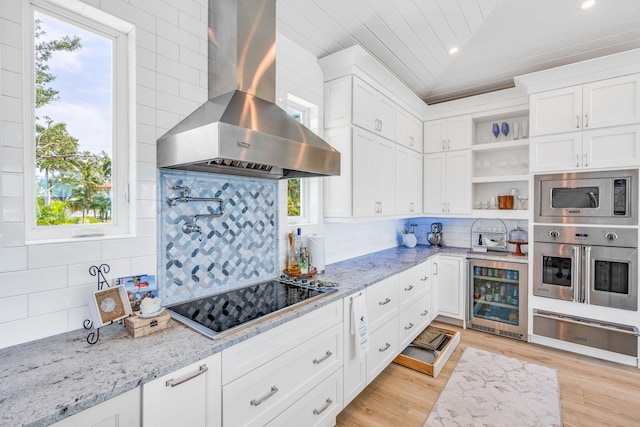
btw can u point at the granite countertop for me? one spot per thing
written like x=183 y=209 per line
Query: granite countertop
x=44 y=381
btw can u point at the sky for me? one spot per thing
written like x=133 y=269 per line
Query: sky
x=84 y=82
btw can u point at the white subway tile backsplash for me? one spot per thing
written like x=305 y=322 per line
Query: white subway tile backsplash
x=168 y=84
x=192 y=24
x=193 y=92
x=146 y=191
x=11 y=83
x=144 y=265
x=146 y=39
x=25 y=281
x=77 y=316
x=12 y=185
x=79 y=274
x=60 y=299
x=12 y=234
x=10 y=33
x=12 y=209
x=145 y=96
x=168 y=49
x=146 y=134
x=11 y=10
x=51 y=255
x=146 y=115
x=33 y=328
x=145 y=77
x=12 y=159
x=176 y=69
x=141 y=18
x=128 y=248
x=180 y=36
x=11 y=108
x=146 y=171
x=146 y=153
x=146 y=226
x=13 y=308
x=11 y=134
x=11 y=58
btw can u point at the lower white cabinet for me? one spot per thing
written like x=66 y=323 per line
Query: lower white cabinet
x=121 y=411
x=317 y=408
x=190 y=396
x=382 y=302
x=267 y=375
x=383 y=348
x=450 y=281
x=413 y=319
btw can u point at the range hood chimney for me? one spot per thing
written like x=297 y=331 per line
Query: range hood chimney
x=240 y=130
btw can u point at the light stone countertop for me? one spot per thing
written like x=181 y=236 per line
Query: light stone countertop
x=44 y=381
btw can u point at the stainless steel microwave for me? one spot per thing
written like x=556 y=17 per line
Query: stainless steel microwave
x=609 y=197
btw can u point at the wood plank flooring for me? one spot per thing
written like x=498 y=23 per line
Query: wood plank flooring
x=592 y=392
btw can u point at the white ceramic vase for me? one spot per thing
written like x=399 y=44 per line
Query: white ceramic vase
x=409 y=240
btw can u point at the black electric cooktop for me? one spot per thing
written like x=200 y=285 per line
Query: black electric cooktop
x=226 y=312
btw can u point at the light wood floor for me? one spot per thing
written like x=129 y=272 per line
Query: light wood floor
x=593 y=392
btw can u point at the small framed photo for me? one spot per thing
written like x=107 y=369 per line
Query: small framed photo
x=138 y=287
x=108 y=305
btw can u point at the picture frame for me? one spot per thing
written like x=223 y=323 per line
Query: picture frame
x=108 y=305
x=138 y=287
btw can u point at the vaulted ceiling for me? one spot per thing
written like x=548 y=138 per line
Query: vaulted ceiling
x=496 y=39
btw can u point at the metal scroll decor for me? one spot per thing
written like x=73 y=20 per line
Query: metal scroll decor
x=98 y=271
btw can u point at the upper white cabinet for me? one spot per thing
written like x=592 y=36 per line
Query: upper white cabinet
x=189 y=396
x=447 y=183
x=594 y=149
x=408 y=190
x=408 y=130
x=372 y=110
x=453 y=133
x=373 y=174
x=605 y=103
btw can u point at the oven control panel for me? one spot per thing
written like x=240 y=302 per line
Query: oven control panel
x=601 y=236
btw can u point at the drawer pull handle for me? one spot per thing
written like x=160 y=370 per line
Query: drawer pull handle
x=425 y=278
x=409 y=326
x=424 y=313
x=327 y=403
x=385 y=348
x=174 y=382
x=327 y=355
x=409 y=288
x=386 y=301
x=273 y=391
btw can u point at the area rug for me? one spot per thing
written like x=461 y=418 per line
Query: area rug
x=487 y=389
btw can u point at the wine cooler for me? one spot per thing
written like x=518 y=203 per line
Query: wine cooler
x=498 y=298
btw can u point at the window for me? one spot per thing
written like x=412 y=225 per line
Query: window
x=77 y=158
x=299 y=205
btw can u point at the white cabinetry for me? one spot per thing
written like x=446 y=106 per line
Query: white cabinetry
x=604 y=103
x=447 y=182
x=447 y=134
x=408 y=191
x=382 y=302
x=450 y=280
x=594 y=149
x=408 y=130
x=265 y=376
x=354 y=366
x=188 y=396
x=383 y=348
x=372 y=110
x=414 y=287
x=373 y=174
x=121 y=411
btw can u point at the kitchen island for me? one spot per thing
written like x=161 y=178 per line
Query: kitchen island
x=47 y=380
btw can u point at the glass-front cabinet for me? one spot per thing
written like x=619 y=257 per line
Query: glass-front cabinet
x=498 y=298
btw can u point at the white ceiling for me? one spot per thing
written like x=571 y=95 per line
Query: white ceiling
x=498 y=39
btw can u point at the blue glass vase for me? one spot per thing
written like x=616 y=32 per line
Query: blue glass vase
x=495 y=130
x=505 y=128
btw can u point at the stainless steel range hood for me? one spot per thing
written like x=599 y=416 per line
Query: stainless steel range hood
x=241 y=130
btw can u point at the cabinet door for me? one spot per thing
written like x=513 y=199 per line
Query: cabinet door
x=413 y=320
x=556 y=152
x=459 y=133
x=337 y=189
x=408 y=130
x=383 y=348
x=415 y=134
x=434 y=136
x=355 y=369
x=121 y=411
x=382 y=302
x=385 y=111
x=555 y=111
x=384 y=173
x=611 y=102
x=189 y=396
x=337 y=102
x=408 y=180
x=364 y=105
x=450 y=281
x=611 y=147
x=364 y=159
x=458 y=182
x=434 y=183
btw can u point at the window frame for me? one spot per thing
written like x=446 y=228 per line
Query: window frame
x=122 y=35
x=304 y=108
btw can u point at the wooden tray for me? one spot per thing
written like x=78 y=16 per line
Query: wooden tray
x=434 y=368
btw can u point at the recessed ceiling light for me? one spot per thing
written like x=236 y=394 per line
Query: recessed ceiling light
x=453 y=50
x=587 y=4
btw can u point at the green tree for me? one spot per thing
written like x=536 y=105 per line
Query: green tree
x=293 y=197
x=89 y=179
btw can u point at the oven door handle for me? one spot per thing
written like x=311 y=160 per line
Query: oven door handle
x=586 y=282
x=576 y=277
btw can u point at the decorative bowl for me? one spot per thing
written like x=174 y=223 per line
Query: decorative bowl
x=491 y=242
x=150 y=305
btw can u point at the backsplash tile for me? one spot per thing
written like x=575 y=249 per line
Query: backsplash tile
x=237 y=249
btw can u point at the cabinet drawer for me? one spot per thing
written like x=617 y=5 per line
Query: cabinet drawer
x=248 y=355
x=411 y=284
x=433 y=367
x=263 y=393
x=414 y=319
x=319 y=407
x=382 y=302
x=383 y=347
